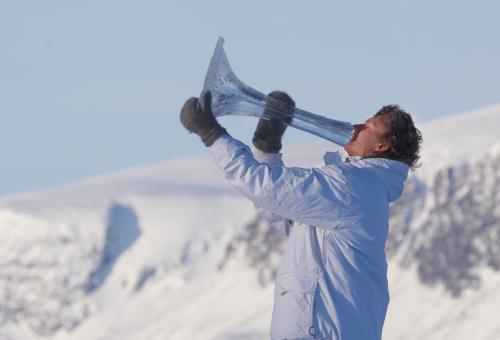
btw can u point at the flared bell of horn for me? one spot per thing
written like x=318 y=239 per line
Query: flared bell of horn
x=230 y=96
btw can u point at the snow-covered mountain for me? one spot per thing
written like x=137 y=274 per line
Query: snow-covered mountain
x=171 y=251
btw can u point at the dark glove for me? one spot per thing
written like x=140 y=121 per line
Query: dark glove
x=200 y=120
x=277 y=115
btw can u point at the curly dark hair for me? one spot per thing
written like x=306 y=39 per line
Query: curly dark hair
x=404 y=138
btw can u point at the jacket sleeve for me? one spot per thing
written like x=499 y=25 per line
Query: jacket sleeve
x=273 y=159
x=309 y=196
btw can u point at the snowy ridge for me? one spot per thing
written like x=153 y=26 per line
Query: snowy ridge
x=170 y=251
x=464 y=137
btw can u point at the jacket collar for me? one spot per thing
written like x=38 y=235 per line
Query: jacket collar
x=391 y=173
x=339 y=157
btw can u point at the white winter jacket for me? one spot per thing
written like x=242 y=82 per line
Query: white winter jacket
x=332 y=281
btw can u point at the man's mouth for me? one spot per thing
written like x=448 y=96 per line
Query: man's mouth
x=353 y=137
x=355 y=132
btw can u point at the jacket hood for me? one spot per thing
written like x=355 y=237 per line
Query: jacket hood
x=391 y=173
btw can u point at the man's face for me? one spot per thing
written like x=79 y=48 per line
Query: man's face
x=367 y=139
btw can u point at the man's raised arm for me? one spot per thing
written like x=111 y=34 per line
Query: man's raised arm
x=298 y=194
x=267 y=145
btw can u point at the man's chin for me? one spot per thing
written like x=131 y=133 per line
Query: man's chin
x=351 y=150
x=348 y=149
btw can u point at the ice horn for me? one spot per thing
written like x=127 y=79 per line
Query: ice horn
x=231 y=96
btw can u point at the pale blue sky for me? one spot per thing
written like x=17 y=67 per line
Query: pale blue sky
x=88 y=87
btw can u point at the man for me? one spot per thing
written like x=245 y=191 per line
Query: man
x=332 y=281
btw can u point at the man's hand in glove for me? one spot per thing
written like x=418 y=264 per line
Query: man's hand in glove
x=270 y=129
x=200 y=120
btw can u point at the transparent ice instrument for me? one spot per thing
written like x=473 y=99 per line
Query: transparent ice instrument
x=230 y=96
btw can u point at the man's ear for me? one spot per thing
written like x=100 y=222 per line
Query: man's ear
x=382 y=147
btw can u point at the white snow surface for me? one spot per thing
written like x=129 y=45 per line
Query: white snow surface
x=153 y=238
